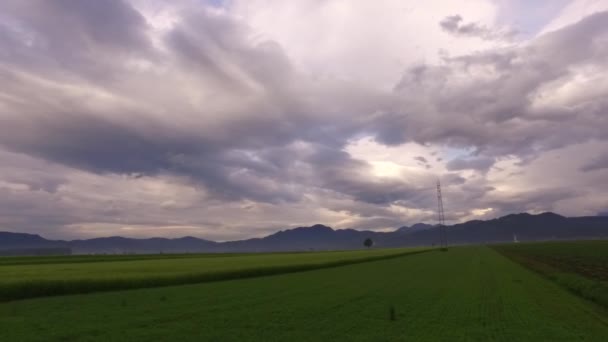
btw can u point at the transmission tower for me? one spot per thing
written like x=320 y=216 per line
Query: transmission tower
x=443 y=240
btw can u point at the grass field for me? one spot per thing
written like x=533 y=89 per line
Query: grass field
x=579 y=266
x=44 y=276
x=465 y=294
x=73 y=259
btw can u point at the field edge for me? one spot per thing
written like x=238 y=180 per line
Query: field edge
x=591 y=290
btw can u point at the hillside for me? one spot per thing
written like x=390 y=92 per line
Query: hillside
x=527 y=227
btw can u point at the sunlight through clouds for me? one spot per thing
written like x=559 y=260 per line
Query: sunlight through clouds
x=232 y=119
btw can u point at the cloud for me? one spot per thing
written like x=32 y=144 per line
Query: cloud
x=537 y=200
x=167 y=117
x=574 y=11
x=498 y=100
x=83 y=39
x=366 y=42
x=480 y=164
x=454 y=25
x=598 y=163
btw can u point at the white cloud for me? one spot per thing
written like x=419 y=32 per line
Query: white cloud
x=371 y=42
x=573 y=12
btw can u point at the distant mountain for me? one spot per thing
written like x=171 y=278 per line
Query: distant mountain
x=415 y=228
x=317 y=237
x=118 y=244
x=25 y=241
x=109 y=245
x=527 y=227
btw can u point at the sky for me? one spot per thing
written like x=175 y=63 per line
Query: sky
x=233 y=119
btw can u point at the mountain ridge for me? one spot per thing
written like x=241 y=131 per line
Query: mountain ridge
x=527 y=227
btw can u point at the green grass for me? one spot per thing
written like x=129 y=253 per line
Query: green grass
x=465 y=294
x=26 y=278
x=73 y=259
x=579 y=266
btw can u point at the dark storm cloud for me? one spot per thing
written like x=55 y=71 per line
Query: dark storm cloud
x=125 y=140
x=93 y=143
x=454 y=25
x=238 y=158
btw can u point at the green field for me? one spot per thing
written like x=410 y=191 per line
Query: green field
x=43 y=276
x=579 y=266
x=465 y=294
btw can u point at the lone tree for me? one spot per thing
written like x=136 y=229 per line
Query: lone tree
x=368 y=243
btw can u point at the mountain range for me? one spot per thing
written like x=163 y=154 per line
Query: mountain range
x=527 y=227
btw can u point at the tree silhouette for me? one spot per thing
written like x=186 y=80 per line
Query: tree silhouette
x=368 y=243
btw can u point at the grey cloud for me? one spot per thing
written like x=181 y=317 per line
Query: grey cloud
x=231 y=152
x=598 y=163
x=376 y=223
x=90 y=142
x=84 y=39
x=359 y=209
x=461 y=195
x=423 y=161
x=480 y=164
x=336 y=170
x=216 y=46
x=234 y=119
x=453 y=179
x=18 y=169
x=126 y=139
x=32 y=211
x=496 y=114
x=537 y=200
x=98 y=145
x=38 y=182
x=454 y=25
x=28 y=194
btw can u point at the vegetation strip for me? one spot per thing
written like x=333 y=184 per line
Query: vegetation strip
x=76 y=259
x=43 y=288
x=567 y=266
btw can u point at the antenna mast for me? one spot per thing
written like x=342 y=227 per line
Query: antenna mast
x=443 y=241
